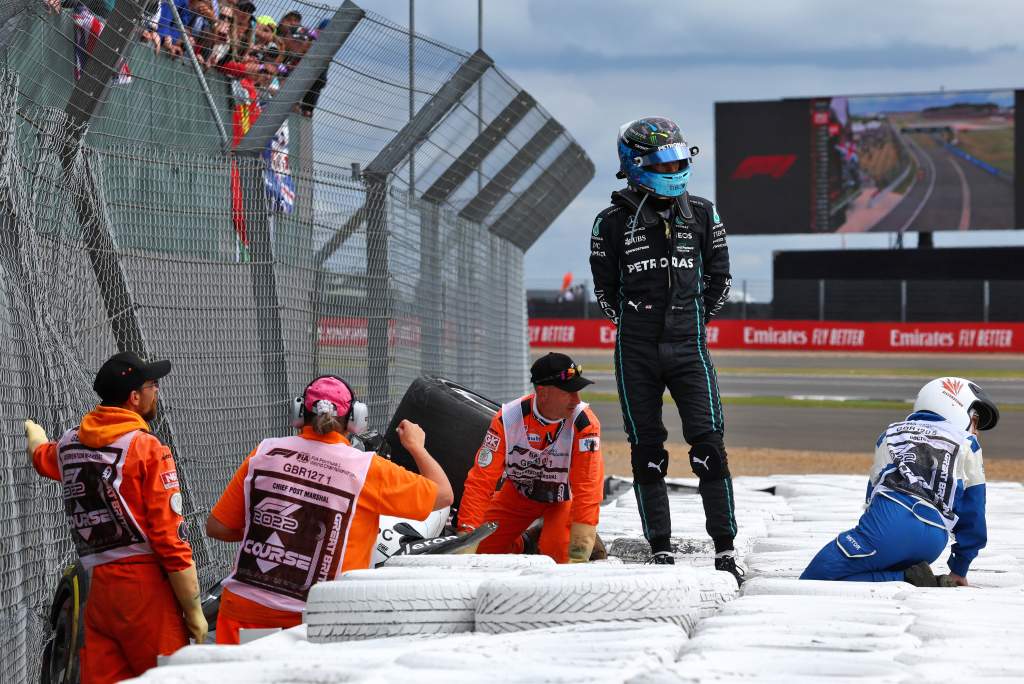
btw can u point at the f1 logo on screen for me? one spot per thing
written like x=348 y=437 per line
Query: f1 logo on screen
x=774 y=165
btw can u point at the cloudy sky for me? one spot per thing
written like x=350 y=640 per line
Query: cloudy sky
x=595 y=64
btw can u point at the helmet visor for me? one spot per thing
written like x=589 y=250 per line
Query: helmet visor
x=668 y=153
x=988 y=412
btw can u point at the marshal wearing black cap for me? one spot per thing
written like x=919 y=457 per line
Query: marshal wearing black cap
x=558 y=370
x=125 y=512
x=546 y=448
x=125 y=373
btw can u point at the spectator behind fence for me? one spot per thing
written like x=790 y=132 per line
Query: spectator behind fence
x=124 y=507
x=291 y=20
x=225 y=34
x=253 y=510
x=266 y=28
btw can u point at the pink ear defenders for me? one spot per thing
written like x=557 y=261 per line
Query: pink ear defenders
x=331 y=393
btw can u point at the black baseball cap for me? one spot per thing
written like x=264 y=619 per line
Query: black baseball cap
x=558 y=370
x=125 y=372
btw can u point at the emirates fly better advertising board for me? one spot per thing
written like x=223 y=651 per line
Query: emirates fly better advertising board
x=918 y=161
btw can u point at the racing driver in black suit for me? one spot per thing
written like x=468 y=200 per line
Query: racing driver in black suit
x=661 y=270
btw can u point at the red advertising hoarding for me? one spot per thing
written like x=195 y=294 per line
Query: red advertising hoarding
x=353 y=332
x=807 y=336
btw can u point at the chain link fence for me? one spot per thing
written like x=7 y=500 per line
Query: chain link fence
x=147 y=233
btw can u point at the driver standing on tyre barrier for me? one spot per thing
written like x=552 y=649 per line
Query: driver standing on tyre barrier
x=123 y=502
x=306 y=508
x=540 y=458
x=661 y=271
x=927 y=481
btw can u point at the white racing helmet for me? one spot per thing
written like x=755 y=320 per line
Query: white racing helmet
x=955 y=399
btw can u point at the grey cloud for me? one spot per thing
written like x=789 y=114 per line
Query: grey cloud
x=901 y=56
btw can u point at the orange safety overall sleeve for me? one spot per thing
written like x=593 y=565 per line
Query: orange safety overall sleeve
x=483 y=477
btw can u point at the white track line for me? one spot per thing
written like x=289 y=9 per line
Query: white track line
x=931 y=185
x=965 y=193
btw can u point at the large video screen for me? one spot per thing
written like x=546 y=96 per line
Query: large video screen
x=922 y=162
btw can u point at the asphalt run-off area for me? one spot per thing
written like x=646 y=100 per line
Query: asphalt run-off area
x=822 y=401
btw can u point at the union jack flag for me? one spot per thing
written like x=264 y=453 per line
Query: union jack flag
x=278 y=177
x=88 y=28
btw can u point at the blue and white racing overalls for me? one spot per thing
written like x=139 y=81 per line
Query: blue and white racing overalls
x=927 y=481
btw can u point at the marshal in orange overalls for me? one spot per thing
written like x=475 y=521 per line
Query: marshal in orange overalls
x=515 y=492
x=125 y=514
x=388 y=489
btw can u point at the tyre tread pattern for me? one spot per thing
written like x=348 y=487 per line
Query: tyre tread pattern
x=539 y=601
x=348 y=610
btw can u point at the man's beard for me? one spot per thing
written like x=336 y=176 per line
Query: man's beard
x=150 y=414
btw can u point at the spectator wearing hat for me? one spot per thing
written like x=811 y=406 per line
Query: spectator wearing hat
x=124 y=507
x=540 y=458
x=266 y=28
x=306 y=508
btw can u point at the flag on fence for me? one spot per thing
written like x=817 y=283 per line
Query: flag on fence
x=247 y=109
x=278 y=177
x=88 y=28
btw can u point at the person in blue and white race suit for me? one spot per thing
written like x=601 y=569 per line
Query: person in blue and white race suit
x=927 y=481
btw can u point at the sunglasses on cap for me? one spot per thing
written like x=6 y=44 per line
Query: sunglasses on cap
x=568 y=374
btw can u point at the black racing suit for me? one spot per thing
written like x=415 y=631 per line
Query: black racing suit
x=661 y=270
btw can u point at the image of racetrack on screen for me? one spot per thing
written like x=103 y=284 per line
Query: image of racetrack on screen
x=936 y=161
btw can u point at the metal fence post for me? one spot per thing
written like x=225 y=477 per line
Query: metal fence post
x=430 y=294
x=821 y=299
x=743 y=308
x=378 y=281
x=903 y=301
x=258 y=220
x=986 y=299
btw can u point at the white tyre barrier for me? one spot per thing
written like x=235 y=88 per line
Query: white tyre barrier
x=362 y=609
x=714 y=588
x=789 y=666
x=472 y=561
x=798 y=608
x=799 y=587
x=547 y=600
x=766 y=639
x=823 y=627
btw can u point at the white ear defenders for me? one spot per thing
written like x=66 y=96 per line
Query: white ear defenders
x=358 y=415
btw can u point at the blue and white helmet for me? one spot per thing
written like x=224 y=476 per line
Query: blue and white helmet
x=654 y=140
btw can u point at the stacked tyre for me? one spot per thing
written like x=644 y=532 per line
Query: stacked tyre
x=496 y=594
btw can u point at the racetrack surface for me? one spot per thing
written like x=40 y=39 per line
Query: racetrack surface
x=950 y=193
x=827 y=429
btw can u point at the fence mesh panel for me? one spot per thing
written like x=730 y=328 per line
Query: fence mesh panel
x=147 y=234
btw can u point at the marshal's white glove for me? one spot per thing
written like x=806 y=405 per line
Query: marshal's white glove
x=35 y=436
